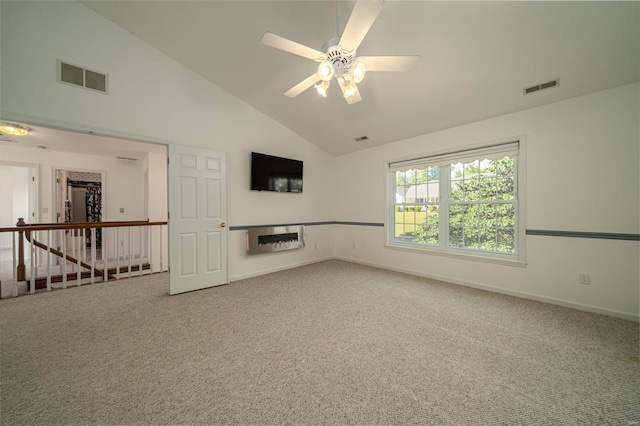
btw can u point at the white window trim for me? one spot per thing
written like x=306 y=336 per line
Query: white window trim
x=519 y=259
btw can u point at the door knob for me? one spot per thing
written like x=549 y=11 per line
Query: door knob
x=222 y=225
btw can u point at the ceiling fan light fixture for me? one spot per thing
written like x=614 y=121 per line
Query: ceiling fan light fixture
x=325 y=70
x=358 y=71
x=350 y=89
x=13 y=129
x=322 y=88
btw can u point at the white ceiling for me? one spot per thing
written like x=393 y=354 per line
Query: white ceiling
x=49 y=139
x=476 y=58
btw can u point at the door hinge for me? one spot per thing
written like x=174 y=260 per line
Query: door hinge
x=167 y=160
x=168 y=215
x=58 y=180
x=33 y=178
x=33 y=214
x=57 y=214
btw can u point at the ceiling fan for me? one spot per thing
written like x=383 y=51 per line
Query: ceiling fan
x=338 y=56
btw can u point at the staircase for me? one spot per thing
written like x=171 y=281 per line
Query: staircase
x=57 y=259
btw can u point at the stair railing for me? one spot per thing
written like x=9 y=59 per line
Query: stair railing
x=57 y=253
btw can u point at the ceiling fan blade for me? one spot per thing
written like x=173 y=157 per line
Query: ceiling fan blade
x=353 y=99
x=291 y=46
x=302 y=86
x=361 y=19
x=389 y=63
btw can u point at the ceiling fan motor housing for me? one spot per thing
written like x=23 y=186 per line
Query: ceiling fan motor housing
x=342 y=60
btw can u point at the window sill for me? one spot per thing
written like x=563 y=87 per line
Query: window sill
x=463 y=256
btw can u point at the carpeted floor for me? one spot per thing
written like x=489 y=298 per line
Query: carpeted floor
x=330 y=343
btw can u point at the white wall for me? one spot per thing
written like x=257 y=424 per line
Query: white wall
x=154 y=98
x=582 y=174
x=20 y=186
x=156 y=167
x=574 y=149
x=122 y=188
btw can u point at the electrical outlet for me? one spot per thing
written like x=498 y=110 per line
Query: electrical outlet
x=353 y=246
x=315 y=246
x=584 y=279
x=121 y=243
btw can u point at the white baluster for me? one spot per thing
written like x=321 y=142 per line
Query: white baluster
x=117 y=253
x=140 y=248
x=92 y=239
x=150 y=250
x=15 y=265
x=80 y=251
x=161 y=242
x=48 y=260
x=129 y=248
x=105 y=255
x=32 y=252
x=64 y=259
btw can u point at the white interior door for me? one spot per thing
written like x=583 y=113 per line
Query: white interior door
x=198 y=233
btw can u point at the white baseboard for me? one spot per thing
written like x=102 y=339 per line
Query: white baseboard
x=279 y=268
x=521 y=294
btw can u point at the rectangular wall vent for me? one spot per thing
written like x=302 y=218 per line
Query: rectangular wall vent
x=541 y=86
x=74 y=75
x=361 y=138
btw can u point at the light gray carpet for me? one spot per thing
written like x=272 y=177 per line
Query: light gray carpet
x=330 y=343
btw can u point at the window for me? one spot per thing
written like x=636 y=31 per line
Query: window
x=464 y=202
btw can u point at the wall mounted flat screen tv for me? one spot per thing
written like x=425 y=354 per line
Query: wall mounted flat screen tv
x=270 y=173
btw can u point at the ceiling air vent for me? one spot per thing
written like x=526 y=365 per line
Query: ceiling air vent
x=82 y=77
x=541 y=86
x=126 y=158
x=361 y=138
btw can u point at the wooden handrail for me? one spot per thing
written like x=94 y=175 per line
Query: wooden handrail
x=24 y=228
x=80 y=225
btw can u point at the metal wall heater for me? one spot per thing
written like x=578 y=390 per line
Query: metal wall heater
x=274 y=238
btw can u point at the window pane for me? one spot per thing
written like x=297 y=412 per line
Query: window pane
x=481 y=205
x=505 y=178
x=489 y=188
x=456 y=214
x=506 y=240
x=505 y=215
x=470 y=231
x=457 y=182
x=455 y=236
x=487 y=238
x=505 y=186
x=427 y=230
x=410 y=194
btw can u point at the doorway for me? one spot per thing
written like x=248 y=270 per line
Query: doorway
x=18 y=195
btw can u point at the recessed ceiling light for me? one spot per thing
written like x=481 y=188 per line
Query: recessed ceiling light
x=14 y=129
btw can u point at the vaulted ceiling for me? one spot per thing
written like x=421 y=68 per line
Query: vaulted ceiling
x=476 y=58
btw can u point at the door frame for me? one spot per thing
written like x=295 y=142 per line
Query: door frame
x=54 y=182
x=111 y=134
x=33 y=198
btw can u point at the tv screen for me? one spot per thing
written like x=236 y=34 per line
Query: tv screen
x=270 y=173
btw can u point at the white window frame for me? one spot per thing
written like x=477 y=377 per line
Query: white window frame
x=518 y=258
